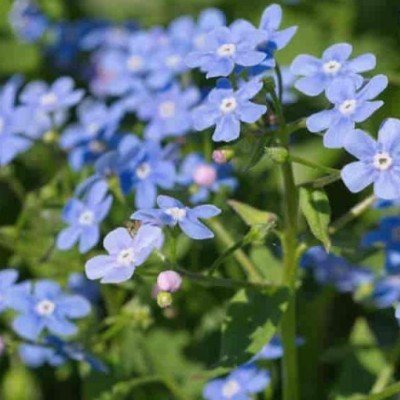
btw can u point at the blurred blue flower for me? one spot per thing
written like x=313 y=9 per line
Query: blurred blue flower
x=47 y=307
x=84 y=217
x=329 y=269
x=226 y=108
x=172 y=212
x=204 y=177
x=8 y=285
x=387 y=291
x=94 y=134
x=13 y=123
x=79 y=284
x=226 y=47
x=125 y=254
x=378 y=161
x=241 y=384
x=273 y=350
x=387 y=235
x=351 y=106
x=35 y=356
x=27 y=20
x=318 y=74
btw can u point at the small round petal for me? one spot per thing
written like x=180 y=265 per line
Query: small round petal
x=89 y=238
x=28 y=326
x=335 y=137
x=387 y=186
x=338 y=52
x=117 y=240
x=227 y=129
x=168 y=202
x=365 y=110
x=99 y=266
x=362 y=63
x=68 y=237
x=320 y=121
x=249 y=58
x=145 y=195
x=360 y=145
x=61 y=326
x=357 y=176
x=118 y=275
x=311 y=85
x=47 y=289
x=281 y=39
x=205 y=211
x=389 y=134
x=74 y=306
x=306 y=65
x=250 y=112
x=195 y=229
x=340 y=90
x=204 y=117
x=373 y=88
x=8 y=277
x=271 y=18
x=222 y=67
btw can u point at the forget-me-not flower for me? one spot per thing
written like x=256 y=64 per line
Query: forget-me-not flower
x=47 y=307
x=8 y=285
x=35 y=356
x=172 y=212
x=241 y=384
x=126 y=253
x=318 y=74
x=84 y=217
x=351 y=106
x=379 y=161
x=226 y=108
x=226 y=47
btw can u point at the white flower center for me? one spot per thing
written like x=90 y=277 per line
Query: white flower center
x=173 y=61
x=167 y=109
x=86 y=218
x=45 y=307
x=48 y=99
x=382 y=161
x=143 y=170
x=348 y=107
x=93 y=128
x=126 y=258
x=226 y=50
x=134 y=63
x=230 y=389
x=228 y=105
x=2 y=124
x=96 y=146
x=178 y=214
x=331 y=67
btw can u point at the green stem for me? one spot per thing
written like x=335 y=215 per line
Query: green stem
x=307 y=163
x=354 y=212
x=224 y=236
x=290 y=264
x=384 y=394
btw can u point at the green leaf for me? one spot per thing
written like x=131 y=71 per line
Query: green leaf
x=250 y=215
x=21 y=57
x=315 y=206
x=251 y=321
x=362 y=366
x=257 y=152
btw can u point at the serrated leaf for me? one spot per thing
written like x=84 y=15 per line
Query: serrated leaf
x=251 y=321
x=315 y=206
x=250 y=215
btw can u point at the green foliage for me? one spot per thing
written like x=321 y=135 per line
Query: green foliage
x=251 y=321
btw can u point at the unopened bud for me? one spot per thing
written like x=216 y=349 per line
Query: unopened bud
x=205 y=175
x=278 y=155
x=169 y=281
x=164 y=299
x=50 y=137
x=222 y=156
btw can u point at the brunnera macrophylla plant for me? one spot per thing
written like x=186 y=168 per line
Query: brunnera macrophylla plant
x=155 y=161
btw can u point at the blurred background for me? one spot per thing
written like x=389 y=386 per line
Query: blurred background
x=326 y=319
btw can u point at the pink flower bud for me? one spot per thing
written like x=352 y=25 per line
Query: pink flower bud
x=205 y=175
x=219 y=156
x=169 y=281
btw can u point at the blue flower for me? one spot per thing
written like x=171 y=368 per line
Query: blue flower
x=8 y=285
x=387 y=292
x=270 y=21
x=388 y=235
x=241 y=384
x=204 y=177
x=79 y=284
x=47 y=307
x=35 y=356
x=142 y=167
x=87 y=140
x=169 y=112
x=84 y=217
x=13 y=123
x=273 y=350
x=172 y=212
x=318 y=75
x=226 y=47
x=59 y=96
x=329 y=269
x=27 y=20
x=125 y=254
x=379 y=161
x=226 y=108
x=351 y=106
